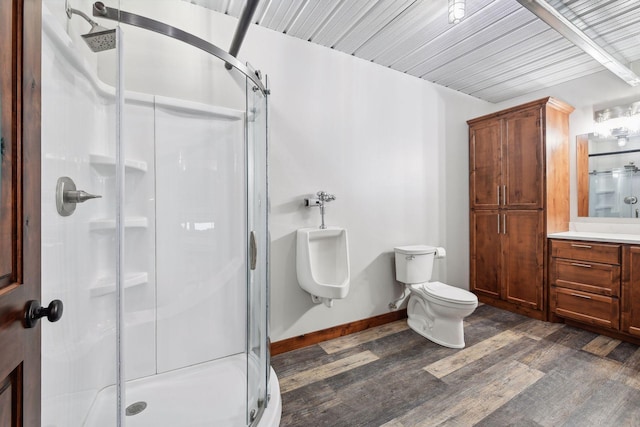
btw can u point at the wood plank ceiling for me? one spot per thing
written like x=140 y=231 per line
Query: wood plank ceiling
x=499 y=51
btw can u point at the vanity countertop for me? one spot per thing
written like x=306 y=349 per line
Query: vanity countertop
x=597 y=237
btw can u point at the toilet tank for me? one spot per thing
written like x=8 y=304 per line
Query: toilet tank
x=414 y=264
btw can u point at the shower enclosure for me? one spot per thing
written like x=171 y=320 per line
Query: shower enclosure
x=164 y=277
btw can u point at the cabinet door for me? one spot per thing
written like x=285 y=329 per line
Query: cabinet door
x=631 y=290
x=523 y=257
x=485 y=252
x=522 y=160
x=484 y=164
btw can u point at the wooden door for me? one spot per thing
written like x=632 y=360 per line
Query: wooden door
x=484 y=164
x=522 y=160
x=485 y=229
x=631 y=290
x=20 y=29
x=523 y=257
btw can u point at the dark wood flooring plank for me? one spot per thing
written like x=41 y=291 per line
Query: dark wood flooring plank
x=622 y=352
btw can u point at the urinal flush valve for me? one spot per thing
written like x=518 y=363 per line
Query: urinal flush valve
x=323 y=197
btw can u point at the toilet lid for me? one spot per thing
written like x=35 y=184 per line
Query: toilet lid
x=415 y=250
x=449 y=293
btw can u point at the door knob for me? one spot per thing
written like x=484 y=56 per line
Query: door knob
x=34 y=311
x=67 y=196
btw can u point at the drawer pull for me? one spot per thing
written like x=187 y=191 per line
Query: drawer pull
x=580 y=246
x=577 y=264
x=581 y=296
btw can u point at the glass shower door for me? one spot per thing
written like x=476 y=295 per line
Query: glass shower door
x=80 y=233
x=258 y=273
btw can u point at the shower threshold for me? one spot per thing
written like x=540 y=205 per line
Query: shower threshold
x=209 y=394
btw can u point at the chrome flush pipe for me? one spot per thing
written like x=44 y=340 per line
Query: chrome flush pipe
x=323 y=197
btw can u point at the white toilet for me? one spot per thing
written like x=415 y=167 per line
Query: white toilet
x=435 y=310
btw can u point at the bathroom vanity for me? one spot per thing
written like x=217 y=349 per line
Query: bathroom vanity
x=594 y=282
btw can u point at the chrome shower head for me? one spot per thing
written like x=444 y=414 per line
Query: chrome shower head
x=98 y=38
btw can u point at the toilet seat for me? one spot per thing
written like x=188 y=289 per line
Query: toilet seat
x=445 y=293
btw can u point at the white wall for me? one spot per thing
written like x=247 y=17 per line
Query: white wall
x=392 y=148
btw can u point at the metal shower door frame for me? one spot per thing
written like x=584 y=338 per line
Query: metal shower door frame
x=178 y=34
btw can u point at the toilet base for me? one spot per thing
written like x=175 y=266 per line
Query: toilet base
x=445 y=331
x=421 y=326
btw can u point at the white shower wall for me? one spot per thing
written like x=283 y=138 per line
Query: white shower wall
x=185 y=292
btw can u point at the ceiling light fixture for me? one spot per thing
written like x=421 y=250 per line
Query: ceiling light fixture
x=456 y=11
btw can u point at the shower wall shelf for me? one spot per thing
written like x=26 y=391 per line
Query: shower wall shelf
x=107 y=285
x=110 y=224
x=105 y=165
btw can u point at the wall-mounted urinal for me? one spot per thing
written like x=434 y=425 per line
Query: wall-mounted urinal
x=322 y=263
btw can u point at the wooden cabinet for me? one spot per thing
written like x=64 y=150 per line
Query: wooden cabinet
x=519 y=192
x=585 y=282
x=631 y=290
x=508 y=248
x=596 y=286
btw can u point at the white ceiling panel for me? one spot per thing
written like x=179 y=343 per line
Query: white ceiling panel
x=375 y=20
x=342 y=20
x=311 y=18
x=419 y=13
x=452 y=64
x=489 y=34
x=498 y=51
x=492 y=15
x=280 y=14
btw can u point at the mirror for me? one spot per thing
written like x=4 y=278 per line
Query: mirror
x=608 y=175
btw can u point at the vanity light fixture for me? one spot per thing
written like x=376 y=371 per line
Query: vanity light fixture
x=456 y=11
x=619 y=121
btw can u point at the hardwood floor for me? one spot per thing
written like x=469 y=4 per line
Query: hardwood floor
x=514 y=371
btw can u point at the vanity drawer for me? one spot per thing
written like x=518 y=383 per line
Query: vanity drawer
x=586 y=251
x=585 y=276
x=586 y=307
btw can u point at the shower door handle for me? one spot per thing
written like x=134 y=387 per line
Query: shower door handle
x=253 y=251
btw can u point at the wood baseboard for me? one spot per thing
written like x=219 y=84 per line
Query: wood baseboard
x=312 y=338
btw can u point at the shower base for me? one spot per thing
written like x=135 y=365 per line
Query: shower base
x=208 y=394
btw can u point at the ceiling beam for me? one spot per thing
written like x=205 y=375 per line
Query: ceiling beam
x=568 y=30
